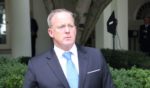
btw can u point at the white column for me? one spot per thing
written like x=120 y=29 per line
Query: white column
x=20 y=28
x=103 y=38
x=122 y=28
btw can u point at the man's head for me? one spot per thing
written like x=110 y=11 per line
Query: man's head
x=62 y=28
x=146 y=20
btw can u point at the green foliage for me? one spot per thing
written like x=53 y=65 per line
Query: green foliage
x=126 y=59
x=131 y=78
x=24 y=59
x=11 y=73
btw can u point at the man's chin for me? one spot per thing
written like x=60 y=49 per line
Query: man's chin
x=68 y=44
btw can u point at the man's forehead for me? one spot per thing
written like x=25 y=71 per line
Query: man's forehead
x=61 y=15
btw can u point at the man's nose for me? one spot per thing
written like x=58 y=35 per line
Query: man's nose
x=67 y=29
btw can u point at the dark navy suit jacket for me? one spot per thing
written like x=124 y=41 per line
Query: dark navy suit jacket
x=144 y=38
x=44 y=71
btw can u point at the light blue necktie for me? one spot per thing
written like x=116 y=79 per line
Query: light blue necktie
x=72 y=75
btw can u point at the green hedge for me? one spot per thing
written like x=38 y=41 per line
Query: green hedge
x=131 y=78
x=11 y=73
x=126 y=59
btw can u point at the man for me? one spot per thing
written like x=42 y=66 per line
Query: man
x=144 y=36
x=50 y=70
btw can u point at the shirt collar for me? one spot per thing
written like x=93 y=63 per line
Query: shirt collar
x=59 y=51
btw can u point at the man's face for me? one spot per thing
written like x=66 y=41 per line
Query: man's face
x=63 y=30
x=146 y=20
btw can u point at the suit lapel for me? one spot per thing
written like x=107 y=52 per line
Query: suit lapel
x=83 y=63
x=56 y=68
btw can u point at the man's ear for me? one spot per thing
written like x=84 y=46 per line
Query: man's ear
x=50 y=32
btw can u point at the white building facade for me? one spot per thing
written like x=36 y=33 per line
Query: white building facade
x=18 y=26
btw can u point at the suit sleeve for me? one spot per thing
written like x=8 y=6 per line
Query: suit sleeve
x=107 y=79
x=29 y=81
x=140 y=35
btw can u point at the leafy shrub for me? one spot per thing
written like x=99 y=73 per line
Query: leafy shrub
x=126 y=59
x=24 y=59
x=11 y=73
x=131 y=78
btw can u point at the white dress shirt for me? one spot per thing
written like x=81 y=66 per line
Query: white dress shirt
x=74 y=56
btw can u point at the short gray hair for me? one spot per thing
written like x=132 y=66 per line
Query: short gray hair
x=53 y=12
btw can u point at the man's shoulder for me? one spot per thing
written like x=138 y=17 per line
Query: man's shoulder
x=87 y=48
x=41 y=56
x=90 y=48
x=142 y=26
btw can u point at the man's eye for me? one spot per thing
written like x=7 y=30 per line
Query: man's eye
x=71 y=26
x=61 y=26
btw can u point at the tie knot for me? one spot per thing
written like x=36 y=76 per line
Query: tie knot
x=67 y=55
